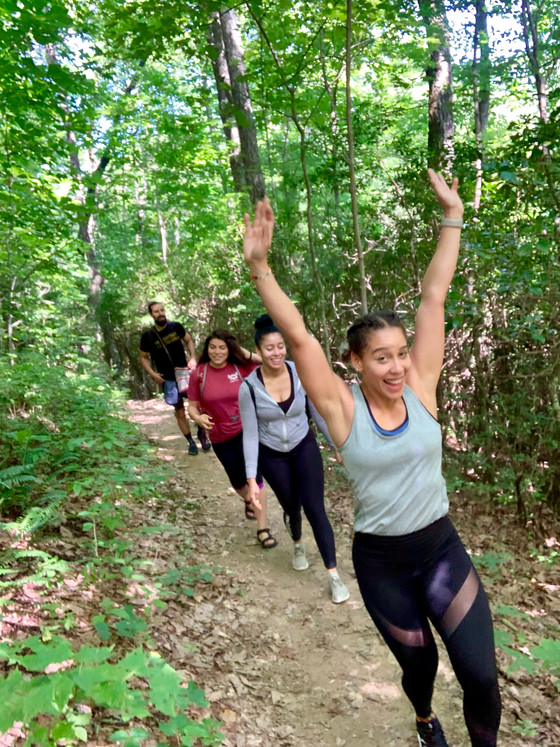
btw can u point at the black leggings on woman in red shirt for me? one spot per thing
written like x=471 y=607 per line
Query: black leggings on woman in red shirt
x=409 y=580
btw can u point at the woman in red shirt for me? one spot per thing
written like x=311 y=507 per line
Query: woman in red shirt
x=214 y=405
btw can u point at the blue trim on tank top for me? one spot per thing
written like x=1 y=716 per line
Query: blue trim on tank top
x=382 y=431
x=395 y=432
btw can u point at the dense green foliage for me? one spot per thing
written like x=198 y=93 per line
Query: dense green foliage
x=64 y=438
x=70 y=455
x=116 y=189
x=117 y=186
x=53 y=681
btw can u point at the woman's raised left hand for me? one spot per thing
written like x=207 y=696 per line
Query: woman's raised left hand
x=446 y=195
x=258 y=234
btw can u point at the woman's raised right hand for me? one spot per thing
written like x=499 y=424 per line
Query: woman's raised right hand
x=258 y=235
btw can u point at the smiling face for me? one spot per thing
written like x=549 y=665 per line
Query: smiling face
x=272 y=349
x=218 y=352
x=384 y=363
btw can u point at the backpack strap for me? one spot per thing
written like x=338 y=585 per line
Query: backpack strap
x=252 y=392
x=162 y=342
x=203 y=382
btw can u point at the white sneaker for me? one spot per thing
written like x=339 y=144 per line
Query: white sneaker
x=339 y=592
x=299 y=561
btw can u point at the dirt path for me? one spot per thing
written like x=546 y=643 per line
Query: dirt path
x=281 y=664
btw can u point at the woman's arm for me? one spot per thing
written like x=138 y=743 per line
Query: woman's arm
x=194 y=405
x=429 y=334
x=250 y=430
x=201 y=419
x=330 y=394
x=320 y=423
x=251 y=357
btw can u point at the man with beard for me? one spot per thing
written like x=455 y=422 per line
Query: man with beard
x=165 y=343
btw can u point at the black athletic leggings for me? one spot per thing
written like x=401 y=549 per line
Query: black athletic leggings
x=296 y=477
x=427 y=575
x=230 y=454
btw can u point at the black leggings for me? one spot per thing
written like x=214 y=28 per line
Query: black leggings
x=230 y=454
x=427 y=575
x=297 y=479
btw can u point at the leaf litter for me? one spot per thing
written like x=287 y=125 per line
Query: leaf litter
x=281 y=665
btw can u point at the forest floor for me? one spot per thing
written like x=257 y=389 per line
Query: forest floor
x=281 y=664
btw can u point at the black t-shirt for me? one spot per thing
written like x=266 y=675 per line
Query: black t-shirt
x=172 y=335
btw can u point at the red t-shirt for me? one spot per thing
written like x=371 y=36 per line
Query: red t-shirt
x=220 y=397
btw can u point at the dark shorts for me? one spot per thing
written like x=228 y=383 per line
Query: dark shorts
x=230 y=454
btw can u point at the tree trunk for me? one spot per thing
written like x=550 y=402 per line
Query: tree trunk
x=86 y=228
x=332 y=91
x=351 y=169
x=481 y=89
x=531 y=39
x=165 y=247
x=441 y=154
x=309 y=214
x=234 y=98
x=225 y=102
x=314 y=265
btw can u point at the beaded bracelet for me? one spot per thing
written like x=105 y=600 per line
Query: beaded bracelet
x=261 y=277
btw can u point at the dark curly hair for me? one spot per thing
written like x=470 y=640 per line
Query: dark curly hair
x=235 y=354
x=359 y=331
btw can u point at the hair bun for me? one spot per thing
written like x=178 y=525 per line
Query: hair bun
x=264 y=322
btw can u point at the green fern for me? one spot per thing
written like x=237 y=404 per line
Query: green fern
x=38 y=516
x=13 y=477
x=16 y=561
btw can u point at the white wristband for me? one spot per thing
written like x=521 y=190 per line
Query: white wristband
x=452 y=222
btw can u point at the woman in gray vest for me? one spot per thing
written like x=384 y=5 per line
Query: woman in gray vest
x=277 y=440
x=411 y=566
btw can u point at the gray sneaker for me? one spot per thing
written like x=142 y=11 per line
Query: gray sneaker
x=299 y=561
x=339 y=592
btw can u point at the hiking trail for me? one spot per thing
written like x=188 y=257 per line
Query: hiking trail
x=279 y=662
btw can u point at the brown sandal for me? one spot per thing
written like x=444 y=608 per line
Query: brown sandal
x=267 y=542
x=250 y=511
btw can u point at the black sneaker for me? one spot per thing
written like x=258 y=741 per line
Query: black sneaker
x=193 y=449
x=204 y=440
x=430 y=733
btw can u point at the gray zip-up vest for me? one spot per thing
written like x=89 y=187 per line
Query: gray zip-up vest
x=265 y=422
x=398 y=485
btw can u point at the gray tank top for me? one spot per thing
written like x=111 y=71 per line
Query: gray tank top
x=398 y=485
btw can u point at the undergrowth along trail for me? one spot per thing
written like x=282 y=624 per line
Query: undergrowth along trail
x=128 y=600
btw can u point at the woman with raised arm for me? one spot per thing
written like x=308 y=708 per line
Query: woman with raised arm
x=277 y=439
x=410 y=564
x=214 y=405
